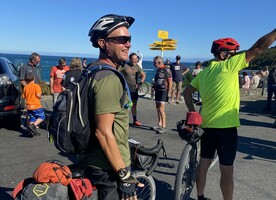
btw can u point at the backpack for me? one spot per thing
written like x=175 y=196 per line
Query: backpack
x=53 y=180
x=69 y=122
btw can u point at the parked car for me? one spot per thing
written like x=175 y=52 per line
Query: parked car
x=10 y=95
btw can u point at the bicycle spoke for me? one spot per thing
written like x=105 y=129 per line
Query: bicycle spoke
x=146 y=192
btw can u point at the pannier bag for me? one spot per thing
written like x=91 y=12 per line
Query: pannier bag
x=139 y=161
x=189 y=133
x=53 y=181
x=43 y=191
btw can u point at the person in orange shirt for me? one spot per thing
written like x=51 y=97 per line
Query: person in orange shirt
x=32 y=93
x=56 y=76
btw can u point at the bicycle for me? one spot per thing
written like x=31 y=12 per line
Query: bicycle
x=143 y=89
x=144 y=161
x=186 y=171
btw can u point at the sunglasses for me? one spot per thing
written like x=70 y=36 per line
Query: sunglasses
x=119 y=39
x=229 y=54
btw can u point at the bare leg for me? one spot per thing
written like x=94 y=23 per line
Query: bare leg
x=158 y=114
x=177 y=96
x=173 y=94
x=38 y=121
x=226 y=181
x=162 y=115
x=134 y=109
x=201 y=175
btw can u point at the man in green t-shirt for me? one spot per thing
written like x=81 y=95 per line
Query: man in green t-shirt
x=218 y=85
x=132 y=72
x=108 y=163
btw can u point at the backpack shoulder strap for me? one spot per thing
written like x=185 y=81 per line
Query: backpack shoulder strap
x=94 y=69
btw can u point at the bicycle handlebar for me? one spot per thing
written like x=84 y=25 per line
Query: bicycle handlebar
x=154 y=152
x=78 y=169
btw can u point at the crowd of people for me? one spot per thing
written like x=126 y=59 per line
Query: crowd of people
x=257 y=80
x=107 y=165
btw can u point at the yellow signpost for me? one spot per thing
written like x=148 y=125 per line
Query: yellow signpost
x=163 y=34
x=165 y=44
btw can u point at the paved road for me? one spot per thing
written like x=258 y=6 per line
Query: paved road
x=255 y=166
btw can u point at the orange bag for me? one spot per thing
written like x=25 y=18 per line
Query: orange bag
x=53 y=171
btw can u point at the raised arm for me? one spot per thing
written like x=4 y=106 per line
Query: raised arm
x=188 y=97
x=261 y=44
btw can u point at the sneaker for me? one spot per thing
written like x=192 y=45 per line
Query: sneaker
x=177 y=102
x=32 y=129
x=137 y=123
x=156 y=128
x=203 y=198
x=162 y=130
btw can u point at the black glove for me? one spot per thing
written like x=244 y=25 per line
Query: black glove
x=126 y=184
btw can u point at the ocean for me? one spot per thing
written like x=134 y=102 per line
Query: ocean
x=48 y=61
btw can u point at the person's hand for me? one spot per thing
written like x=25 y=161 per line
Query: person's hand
x=127 y=184
x=52 y=91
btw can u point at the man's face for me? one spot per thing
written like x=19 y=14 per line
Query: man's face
x=35 y=61
x=134 y=59
x=227 y=54
x=117 y=44
x=157 y=63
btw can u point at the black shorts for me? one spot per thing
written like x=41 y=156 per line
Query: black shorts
x=224 y=140
x=161 y=96
x=134 y=96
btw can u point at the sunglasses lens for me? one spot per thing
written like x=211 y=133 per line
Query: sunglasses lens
x=119 y=39
x=123 y=39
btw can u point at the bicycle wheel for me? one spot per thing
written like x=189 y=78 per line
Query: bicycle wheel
x=148 y=192
x=185 y=176
x=143 y=89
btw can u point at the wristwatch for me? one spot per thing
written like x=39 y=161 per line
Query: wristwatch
x=122 y=173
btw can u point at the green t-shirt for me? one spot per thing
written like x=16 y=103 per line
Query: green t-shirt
x=106 y=93
x=218 y=85
x=131 y=75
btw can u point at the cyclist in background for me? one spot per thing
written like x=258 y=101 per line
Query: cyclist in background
x=132 y=72
x=163 y=87
x=218 y=85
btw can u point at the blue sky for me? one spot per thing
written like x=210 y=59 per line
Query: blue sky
x=59 y=26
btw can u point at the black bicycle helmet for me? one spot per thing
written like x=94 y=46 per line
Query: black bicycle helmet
x=223 y=44
x=106 y=24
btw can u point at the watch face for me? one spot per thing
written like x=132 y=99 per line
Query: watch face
x=122 y=173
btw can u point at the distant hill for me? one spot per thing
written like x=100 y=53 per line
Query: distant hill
x=266 y=58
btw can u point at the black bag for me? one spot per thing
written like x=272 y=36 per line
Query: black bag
x=189 y=133
x=40 y=191
x=139 y=161
x=69 y=124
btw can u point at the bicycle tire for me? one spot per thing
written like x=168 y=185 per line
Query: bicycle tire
x=185 y=176
x=148 y=192
x=143 y=89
